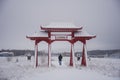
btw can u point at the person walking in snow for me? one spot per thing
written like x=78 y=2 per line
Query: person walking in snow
x=60 y=59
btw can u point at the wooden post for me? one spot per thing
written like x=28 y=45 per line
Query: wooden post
x=49 y=54
x=36 y=53
x=72 y=59
x=84 y=55
x=73 y=54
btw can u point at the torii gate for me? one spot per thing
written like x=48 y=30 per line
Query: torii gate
x=61 y=32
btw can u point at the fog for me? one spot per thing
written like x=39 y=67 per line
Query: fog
x=19 y=18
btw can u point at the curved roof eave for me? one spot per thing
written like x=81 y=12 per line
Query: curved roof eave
x=38 y=35
x=84 y=34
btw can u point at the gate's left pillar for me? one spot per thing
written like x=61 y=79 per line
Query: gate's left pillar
x=72 y=59
x=49 y=54
x=36 y=53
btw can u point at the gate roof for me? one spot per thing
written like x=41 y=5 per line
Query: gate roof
x=60 y=27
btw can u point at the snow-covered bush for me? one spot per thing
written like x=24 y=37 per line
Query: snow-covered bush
x=9 y=59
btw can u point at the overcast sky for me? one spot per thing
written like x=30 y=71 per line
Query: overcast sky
x=21 y=17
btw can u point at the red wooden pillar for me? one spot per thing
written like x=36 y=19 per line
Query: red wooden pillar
x=49 y=50
x=49 y=54
x=84 y=55
x=36 y=53
x=71 y=58
x=72 y=62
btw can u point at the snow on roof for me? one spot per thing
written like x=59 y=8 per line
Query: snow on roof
x=60 y=25
x=83 y=33
x=39 y=34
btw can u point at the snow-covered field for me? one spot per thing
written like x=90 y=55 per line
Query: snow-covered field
x=97 y=69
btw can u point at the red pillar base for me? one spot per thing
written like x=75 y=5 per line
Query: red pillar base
x=71 y=56
x=36 y=60
x=83 y=62
x=49 y=55
x=71 y=59
x=36 y=54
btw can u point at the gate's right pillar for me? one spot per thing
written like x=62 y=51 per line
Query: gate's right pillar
x=84 y=54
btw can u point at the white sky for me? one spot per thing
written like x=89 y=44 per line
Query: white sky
x=21 y=17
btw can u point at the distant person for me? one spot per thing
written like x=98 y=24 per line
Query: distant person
x=29 y=57
x=89 y=58
x=78 y=58
x=60 y=59
x=17 y=60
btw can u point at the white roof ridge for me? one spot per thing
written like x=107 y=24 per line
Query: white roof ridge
x=60 y=25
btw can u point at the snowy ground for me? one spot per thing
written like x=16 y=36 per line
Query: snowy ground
x=98 y=69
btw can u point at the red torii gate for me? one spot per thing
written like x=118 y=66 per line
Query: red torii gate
x=61 y=32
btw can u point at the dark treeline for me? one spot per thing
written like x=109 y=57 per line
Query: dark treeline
x=19 y=52
x=90 y=53
x=102 y=53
